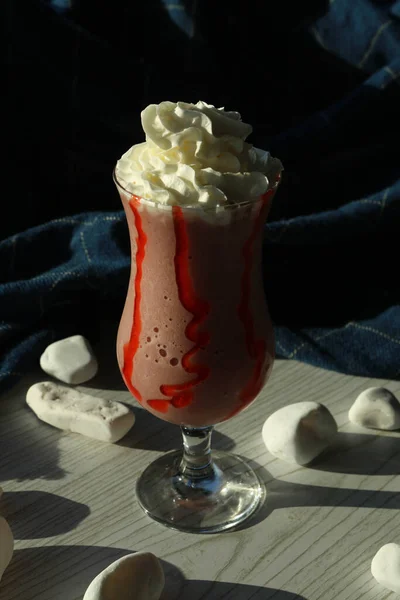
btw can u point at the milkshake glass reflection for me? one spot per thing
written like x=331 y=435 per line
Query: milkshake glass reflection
x=195 y=342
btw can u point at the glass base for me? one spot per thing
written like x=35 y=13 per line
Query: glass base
x=228 y=495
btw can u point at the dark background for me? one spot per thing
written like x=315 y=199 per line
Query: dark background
x=78 y=79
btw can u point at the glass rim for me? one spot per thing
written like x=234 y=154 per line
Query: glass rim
x=198 y=207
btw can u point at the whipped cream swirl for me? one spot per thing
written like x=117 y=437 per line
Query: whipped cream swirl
x=196 y=154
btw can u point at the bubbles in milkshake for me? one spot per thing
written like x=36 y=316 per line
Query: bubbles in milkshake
x=171 y=352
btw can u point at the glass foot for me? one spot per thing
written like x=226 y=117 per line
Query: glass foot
x=228 y=495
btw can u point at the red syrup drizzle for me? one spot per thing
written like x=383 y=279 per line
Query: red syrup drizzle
x=181 y=395
x=256 y=348
x=131 y=347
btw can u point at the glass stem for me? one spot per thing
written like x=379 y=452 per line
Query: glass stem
x=196 y=461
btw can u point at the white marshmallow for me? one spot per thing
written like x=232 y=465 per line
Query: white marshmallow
x=69 y=409
x=298 y=433
x=133 y=577
x=6 y=545
x=385 y=567
x=70 y=360
x=376 y=408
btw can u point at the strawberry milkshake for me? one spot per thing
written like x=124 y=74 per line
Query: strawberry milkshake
x=195 y=342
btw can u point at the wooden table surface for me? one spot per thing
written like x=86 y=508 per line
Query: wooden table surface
x=70 y=502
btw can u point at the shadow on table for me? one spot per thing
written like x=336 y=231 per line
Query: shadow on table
x=29 y=453
x=151 y=433
x=362 y=454
x=283 y=494
x=35 y=514
x=193 y=589
x=70 y=569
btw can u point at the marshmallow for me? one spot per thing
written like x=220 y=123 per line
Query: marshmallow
x=6 y=545
x=298 y=433
x=139 y=576
x=70 y=360
x=376 y=408
x=69 y=409
x=385 y=567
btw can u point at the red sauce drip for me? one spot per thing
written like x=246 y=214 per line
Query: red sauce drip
x=182 y=400
x=159 y=405
x=256 y=348
x=181 y=395
x=132 y=346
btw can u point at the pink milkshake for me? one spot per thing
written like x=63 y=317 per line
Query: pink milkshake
x=195 y=343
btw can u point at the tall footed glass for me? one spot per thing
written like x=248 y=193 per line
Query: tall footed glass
x=195 y=346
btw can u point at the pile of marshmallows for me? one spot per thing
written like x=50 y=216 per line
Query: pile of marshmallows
x=298 y=433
